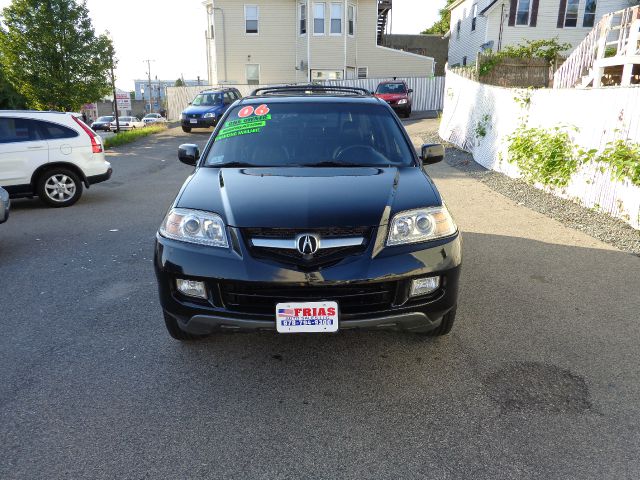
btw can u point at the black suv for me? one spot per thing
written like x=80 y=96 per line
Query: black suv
x=308 y=211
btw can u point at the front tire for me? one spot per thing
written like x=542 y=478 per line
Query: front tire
x=186 y=129
x=407 y=113
x=59 y=187
x=176 y=332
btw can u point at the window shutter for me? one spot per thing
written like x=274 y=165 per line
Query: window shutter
x=534 y=13
x=561 y=12
x=512 y=12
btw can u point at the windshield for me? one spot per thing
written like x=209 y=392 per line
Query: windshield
x=105 y=119
x=391 y=88
x=207 y=100
x=310 y=134
x=152 y=115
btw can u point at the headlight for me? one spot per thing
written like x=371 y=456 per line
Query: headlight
x=194 y=226
x=209 y=115
x=183 y=116
x=402 y=102
x=421 y=225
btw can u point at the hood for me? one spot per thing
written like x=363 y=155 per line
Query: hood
x=203 y=109
x=391 y=96
x=307 y=197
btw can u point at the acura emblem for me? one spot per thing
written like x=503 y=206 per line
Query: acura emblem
x=307 y=244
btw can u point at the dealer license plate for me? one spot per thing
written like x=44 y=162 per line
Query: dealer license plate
x=194 y=121
x=307 y=317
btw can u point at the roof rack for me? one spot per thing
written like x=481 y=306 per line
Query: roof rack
x=309 y=89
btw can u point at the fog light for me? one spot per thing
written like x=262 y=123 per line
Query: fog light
x=424 y=286
x=191 y=288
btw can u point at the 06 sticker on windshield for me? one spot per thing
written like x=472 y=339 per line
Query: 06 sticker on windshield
x=250 y=120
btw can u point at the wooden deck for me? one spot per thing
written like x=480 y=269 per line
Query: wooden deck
x=609 y=55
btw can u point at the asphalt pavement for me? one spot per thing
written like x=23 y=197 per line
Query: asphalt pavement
x=540 y=377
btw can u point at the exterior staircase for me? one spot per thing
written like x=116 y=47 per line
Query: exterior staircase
x=612 y=45
x=384 y=8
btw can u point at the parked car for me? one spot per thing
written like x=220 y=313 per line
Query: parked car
x=150 y=118
x=51 y=155
x=103 y=123
x=208 y=107
x=127 y=123
x=398 y=95
x=337 y=226
x=5 y=204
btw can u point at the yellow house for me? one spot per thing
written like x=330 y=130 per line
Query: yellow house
x=286 y=41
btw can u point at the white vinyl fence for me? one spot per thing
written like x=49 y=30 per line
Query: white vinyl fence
x=427 y=92
x=599 y=116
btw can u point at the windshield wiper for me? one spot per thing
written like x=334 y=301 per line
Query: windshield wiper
x=234 y=165
x=332 y=163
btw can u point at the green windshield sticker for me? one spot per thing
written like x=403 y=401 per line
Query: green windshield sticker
x=243 y=126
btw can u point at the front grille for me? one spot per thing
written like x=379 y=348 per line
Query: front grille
x=322 y=258
x=352 y=299
x=194 y=115
x=329 y=232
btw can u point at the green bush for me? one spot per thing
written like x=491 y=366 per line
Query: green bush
x=123 y=138
x=623 y=158
x=546 y=156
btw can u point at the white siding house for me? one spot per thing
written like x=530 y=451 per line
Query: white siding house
x=284 y=41
x=478 y=25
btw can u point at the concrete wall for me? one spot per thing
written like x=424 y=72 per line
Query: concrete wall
x=600 y=116
x=434 y=46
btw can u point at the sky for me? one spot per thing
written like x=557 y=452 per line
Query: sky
x=171 y=34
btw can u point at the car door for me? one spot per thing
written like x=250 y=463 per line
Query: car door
x=227 y=99
x=22 y=150
x=63 y=141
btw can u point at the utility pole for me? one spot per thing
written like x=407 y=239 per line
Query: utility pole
x=150 y=90
x=115 y=99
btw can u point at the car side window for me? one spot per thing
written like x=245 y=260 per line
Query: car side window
x=228 y=99
x=51 y=131
x=13 y=130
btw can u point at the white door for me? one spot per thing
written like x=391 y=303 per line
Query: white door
x=22 y=150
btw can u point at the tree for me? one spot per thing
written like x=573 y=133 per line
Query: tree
x=51 y=54
x=9 y=98
x=442 y=25
x=179 y=83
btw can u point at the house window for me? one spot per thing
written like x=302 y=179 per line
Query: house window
x=336 y=19
x=253 y=74
x=589 y=13
x=571 y=15
x=251 y=19
x=458 y=27
x=319 y=75
x=523 y=12
x=303 y=19
x=352 y=19
x=363 y=72
x=318 y=18
x=474 y=16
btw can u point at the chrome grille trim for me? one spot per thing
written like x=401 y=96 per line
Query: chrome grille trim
x=290 y=243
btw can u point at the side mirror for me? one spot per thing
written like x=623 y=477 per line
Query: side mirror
x=432 y=153
x=411 y=90
x=189 y=153
x=5 y=204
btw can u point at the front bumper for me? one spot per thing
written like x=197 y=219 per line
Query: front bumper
x=224 y=270
x=200 y=122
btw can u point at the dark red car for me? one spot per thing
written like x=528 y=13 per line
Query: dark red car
x=397 y=94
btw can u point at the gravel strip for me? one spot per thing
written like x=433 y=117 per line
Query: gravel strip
x=598 y=225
